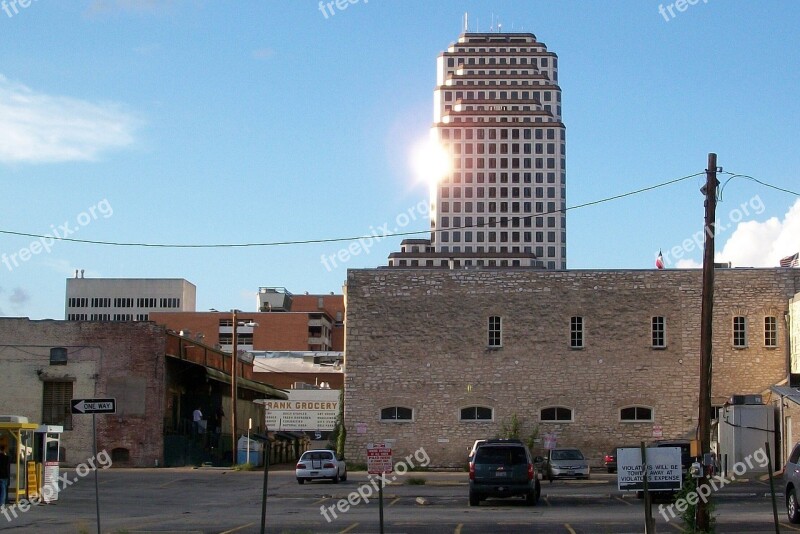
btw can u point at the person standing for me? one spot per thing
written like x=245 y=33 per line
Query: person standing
x=197 y=416
x=5 y=475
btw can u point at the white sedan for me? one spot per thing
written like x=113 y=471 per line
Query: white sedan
x=320 y=464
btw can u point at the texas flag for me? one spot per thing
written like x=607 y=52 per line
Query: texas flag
x=659 y=261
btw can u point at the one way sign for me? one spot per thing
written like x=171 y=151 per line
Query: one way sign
x=94 y=405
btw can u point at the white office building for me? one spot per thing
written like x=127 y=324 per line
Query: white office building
x=126 y=299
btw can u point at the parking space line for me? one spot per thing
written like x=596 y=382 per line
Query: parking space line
x=790 y=527
x=673 y=525
x=569 y=528
x=548 y=502
x=165 y=484
x=394 y=501
x=348 y=529
x=237 y=528
x=322 y=500
x=458 y=528
x=620 y=499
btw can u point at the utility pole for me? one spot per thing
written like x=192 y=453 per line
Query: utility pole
x=703 y=518
x=234 y=392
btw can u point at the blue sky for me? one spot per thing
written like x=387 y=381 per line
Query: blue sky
x=199 y=122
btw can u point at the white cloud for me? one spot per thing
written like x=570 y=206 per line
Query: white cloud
x=688 y=264
x=763 y=244
x=41 y=128
x=18 y=297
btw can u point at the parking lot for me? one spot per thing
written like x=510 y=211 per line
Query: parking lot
x=224 y=501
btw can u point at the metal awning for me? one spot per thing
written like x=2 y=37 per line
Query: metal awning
x=273 y=392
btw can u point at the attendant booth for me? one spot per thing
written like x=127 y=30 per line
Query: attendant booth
x=47 y=455
x=17 y=434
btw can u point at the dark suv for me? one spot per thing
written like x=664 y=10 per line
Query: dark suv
x=791 y=480
x=503 y=468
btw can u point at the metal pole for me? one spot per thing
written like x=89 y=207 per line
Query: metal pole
x=772 y=490
x=649 y=524
x=706 y=317
x=96 y=483
x=266 y=483
x=380 y=499
x=233 y=391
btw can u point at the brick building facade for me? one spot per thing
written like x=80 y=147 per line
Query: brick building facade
x=157 y=378
x=439 y=358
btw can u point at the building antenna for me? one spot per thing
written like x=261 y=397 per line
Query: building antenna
x=491 y=27
x=466 y=22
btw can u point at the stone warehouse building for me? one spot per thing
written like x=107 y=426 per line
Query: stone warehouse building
x=437 y=358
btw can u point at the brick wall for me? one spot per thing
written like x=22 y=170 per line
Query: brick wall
x=418 y=338
x=122 y=360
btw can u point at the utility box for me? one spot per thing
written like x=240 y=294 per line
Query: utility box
x=744 y=429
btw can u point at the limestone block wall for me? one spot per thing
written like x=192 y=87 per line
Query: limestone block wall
x=418 y=338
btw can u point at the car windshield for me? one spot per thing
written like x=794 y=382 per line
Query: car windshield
x=568 y=454
x=319 y=455
x=501 y=455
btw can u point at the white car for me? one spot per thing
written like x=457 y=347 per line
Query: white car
x=320 y=464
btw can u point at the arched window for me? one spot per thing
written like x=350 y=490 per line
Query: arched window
x=636 y=414
x=556 y=413
x=476 y=413
x=397 y=413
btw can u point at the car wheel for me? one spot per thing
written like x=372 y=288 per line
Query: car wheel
x=792 y=507
x=335 y=478
x=300 y=480
x=344 y=476
x=538 y=491
x=474 y=500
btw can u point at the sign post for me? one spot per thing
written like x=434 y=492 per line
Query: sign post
x=94 y=406
x=379 y=462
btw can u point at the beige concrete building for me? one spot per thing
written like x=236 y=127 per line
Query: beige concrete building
x=438 y=358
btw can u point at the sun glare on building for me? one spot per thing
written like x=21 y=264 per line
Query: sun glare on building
x=431 y=162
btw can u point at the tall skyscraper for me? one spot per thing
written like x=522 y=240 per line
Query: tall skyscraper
x=497 y=114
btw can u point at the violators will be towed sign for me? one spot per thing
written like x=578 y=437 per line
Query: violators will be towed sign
x=663 y=469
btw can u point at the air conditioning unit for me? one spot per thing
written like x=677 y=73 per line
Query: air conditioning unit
x=745 y=399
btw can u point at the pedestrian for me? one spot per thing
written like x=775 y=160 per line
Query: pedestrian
x=197 y=416
x=5 y=475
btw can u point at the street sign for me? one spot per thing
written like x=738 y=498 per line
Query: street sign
x=379 y=458
x=94 y=405
x=664 y=469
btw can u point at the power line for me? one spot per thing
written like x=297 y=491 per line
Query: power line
x=372 y=236
x=765 y=184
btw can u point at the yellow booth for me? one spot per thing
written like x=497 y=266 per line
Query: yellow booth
x=16 y=433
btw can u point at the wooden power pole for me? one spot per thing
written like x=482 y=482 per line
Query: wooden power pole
x=703 y=517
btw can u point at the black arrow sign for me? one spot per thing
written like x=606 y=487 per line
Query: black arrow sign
x=94 y=406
